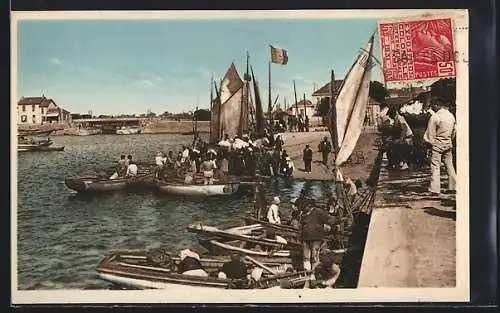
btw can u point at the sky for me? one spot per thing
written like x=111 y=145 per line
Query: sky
x=130 y=66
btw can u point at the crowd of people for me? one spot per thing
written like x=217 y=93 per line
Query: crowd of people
x=291 y=123
x=245 y=156
x=421 y=137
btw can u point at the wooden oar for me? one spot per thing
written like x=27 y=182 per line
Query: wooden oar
x=254 y=261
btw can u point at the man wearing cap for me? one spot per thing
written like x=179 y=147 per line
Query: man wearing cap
x=440 y=133
x=307 y=157
x=273 y=216
x=325 y=148
x=313 y=232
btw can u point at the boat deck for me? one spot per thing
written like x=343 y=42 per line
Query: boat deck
x=411 y=237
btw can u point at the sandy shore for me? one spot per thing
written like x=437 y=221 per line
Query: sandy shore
x=295 y=144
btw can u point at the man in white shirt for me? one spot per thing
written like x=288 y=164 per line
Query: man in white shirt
x=185 y=154
x=160 y=162
x=273 y=212
x=440 y=132
x=132 y=169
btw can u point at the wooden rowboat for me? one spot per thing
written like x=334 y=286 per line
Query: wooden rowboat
x=96 y=184
x=251 y=238
x=139 y=270
x=197 y=190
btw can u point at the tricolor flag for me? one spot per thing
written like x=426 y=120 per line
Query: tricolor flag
x=279 y=56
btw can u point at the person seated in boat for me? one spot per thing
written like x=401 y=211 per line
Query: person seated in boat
x=159 y=162
x=190 y=264
x=234 y=269
x=121 y=168
x=207 y=168
x=273 y=216
x=170 y=160
x=132 y=169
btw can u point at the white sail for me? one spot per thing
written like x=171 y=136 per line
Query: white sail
x=351 y=104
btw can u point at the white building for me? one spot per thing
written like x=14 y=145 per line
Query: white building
x=302 y=107
x=40 y=110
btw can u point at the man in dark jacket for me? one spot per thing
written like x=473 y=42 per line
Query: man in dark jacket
x=325 y=148
x=307 y=157
x=313 y=232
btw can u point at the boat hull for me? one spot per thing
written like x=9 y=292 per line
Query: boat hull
x=40 y=148
x=197 y=190
x=128 y=131
x=138 y=270
x=92 y=184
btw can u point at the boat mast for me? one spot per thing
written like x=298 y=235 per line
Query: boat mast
x=296 y=103
x=333 y=118
x=210 y=105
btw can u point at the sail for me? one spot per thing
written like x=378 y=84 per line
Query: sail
x=231 y=95
x=215 y=120
x=259 y=114
x=351 y=104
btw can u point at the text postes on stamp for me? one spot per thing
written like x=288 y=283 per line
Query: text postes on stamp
x=417 y=49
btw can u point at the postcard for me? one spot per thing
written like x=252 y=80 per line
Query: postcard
x=314 y=156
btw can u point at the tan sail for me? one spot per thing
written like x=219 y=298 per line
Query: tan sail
x=351 y=104
x=231 y=99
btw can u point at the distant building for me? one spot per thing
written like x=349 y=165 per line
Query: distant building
x=324 y=92
x=372 y=109
x=303 y=106
x=40 y=110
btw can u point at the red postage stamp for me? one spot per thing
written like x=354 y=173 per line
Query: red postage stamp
x=417 y=49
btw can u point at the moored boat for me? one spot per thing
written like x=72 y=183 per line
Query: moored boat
x=128 y=130
x=97 y=184
x=145 y=270
x=182 y=189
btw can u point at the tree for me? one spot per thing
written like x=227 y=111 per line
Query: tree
x=202 y=115
x=445 y=88
x=377 y=91
x=322 y=108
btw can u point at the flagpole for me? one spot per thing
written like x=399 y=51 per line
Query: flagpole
x=270 y=99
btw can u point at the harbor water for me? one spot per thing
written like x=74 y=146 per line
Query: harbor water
x=61 y=235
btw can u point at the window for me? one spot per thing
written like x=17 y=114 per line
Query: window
x=24 y=108
x=34 y=119
x=24 y=118
x=32 y=108
x=43 y=109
